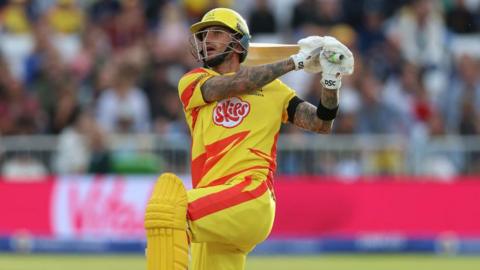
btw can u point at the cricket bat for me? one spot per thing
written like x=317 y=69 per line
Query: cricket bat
x=266 y=53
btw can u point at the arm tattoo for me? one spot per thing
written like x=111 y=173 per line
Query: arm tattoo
x=246 y=80
x=329 y=98
x=306 y=118
x=306 y=113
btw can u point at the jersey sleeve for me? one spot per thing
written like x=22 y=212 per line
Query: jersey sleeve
x=286 y=94
x=189 y=88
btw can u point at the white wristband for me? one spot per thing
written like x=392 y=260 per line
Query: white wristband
x=299 y=61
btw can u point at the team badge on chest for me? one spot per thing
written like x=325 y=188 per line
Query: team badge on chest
x=230 y=112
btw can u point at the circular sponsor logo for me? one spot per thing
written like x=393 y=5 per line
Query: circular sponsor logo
x=230 y=112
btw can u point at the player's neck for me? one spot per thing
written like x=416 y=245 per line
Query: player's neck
x=229 y=65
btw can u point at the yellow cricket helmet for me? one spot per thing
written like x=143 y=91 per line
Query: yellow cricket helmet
x=228 y=18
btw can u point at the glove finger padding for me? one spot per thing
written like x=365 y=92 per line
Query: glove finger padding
x=310 y=43
x=307 y=56
x=332 y=46
x=333 y=68
x=313 y=65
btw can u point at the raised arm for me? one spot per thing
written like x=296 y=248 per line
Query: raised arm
x=246 y=80
x=249 y=79
x=307 y=116
x=320 y=119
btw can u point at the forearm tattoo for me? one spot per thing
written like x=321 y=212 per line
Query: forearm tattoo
x=329 y=98
x=306 y=118
x=306 y=114
x=246 y=80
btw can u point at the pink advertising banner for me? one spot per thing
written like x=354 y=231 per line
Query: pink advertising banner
x=112 y=207
x=331 y=208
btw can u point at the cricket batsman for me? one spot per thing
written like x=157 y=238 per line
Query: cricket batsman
x=234 y=114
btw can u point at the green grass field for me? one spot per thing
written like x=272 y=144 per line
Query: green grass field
x=330 y=262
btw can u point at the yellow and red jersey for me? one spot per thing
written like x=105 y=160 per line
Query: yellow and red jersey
x=235 y=137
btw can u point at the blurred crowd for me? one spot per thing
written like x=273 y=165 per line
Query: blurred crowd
x=84 y=69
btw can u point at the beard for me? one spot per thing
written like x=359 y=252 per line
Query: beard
x=217 y=60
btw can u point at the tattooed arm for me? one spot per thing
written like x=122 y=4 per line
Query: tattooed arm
x=246 y=80
x=306 y=114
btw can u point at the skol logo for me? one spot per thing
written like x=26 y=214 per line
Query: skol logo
x=230 y=112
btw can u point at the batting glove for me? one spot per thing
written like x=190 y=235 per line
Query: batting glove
x=307 y=57
x=336 y=60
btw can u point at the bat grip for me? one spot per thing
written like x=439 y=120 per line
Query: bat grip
x=333 y=57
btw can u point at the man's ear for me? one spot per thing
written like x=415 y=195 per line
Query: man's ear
x=237 y=47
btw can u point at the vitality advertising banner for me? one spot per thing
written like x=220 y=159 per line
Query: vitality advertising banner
x=112 y=207
x=108 y=207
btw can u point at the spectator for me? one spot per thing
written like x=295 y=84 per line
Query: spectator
x=48 y=77
x=128 y=27
x=345 y=34
x=460 y=104
x=304 y=13
x=100 y=156
x=378 y=53
x=65 y=17
x=94 y=51
x=166 y=109
x=371 y=35
x=124 y=107
x=81 y=147
x=261 y=19
x=375 y=116
x=17 y=39
x=419 y=32
x=103 y=12
x=19 y=110
x=435 y=161
x=347 y=118
x=66 y=22
x=314 y=17
x=73 y=151
x=153 y=10
x=406 y=95
x=171 y=40
x=461 y=20
x=63 y=112
x=195 y=9
x=353 y=11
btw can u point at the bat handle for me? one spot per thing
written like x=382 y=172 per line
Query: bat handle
x=333 y=57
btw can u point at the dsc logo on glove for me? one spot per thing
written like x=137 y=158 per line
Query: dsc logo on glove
x=329 y=83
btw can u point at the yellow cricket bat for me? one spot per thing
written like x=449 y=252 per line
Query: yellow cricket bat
x=266 y=53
